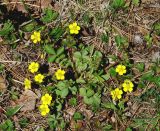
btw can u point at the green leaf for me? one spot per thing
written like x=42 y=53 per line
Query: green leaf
x=60 y=58
x=12 y=110
x=7 y=125
x=49 y=49
x=147 y=76
x=7 y=28
x=52 y=58
x=107 y=127
x=87 y=100
x=77 y=55
x=77 y=116
x=64 y=92
x=112 y=72
x=41 y=129
x=29 y=27
x=89 y=93
x=120 y=40
x=118 y=4
x=82 y=91
x=59 y=106
x=109 y=105
x=1 y=67
x=23 y=122
x=97 y=55
x=96 y=100
x=105 y=38
x=73 y=101
x=81 y=66
x=56 y=33
x=128 y=129
x=136 y=2
x=61 y=85
x=106 y=76
x=73 y=90
x=49 y=15
x=157 y=80
x=140 y=66
x=60 y=51
x=121 y=105
x=80 y=80
x=148 y=39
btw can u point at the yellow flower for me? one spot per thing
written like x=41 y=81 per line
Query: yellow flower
x=127 y=86
x=60 y=74
x=33 y=67
x=27 y=84
x=39 y=78
x=74 y=28
x=46 y=99
x=36 y=37
x=121 y=69
x=117 y=93
x=44 y=109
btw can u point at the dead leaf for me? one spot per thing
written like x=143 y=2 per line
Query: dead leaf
x=71 y=111
x=3 y=86
x=27 y=100
x=45 y=3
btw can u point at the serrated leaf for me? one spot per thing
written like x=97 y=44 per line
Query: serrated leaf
x=120 y=40
x=128 y=129
x=7 y=125
x=136 y=2
x=106 y=76
x=77 y=116
x=60 y=51
x=52 y=58
x=49 y=49
x=80 y=80
x=77 y=55
x=109 y=105
x=96 y=100
x=29 y=27
x=112 y=72
x=89 y=93
x=82 y=91
x=12 y=110
x=64 y=92
x=118 y=4
x=105 y=38
x=49 y=15
x=56 y=33
x=140 y=66
x=60 y=58
x=87 y=100
x=7 y=28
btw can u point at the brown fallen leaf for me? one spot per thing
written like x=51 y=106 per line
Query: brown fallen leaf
x=45 y=3
x=3 y=86
x=71 y=111
x=27 y=100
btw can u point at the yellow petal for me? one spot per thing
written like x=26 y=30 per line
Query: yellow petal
x=71 y=31
x=32 y=37
x=62 y=77
x=35 y=41
x=119 y=96
x=76 y=32
x=78 y=28
x=75 y=24
x=70 y=26
x=43 y=113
